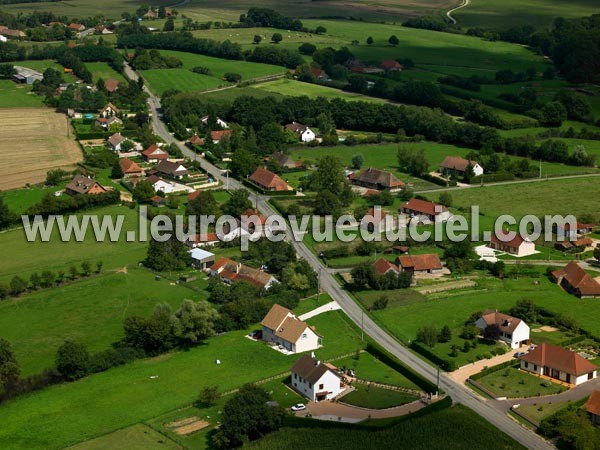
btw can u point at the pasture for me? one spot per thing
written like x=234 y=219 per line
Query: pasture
x=34 y=141
x=13 y=95
x=161 y=80
x=136 y=437
x=69 y=413
x=104 y=71
x=511 y=13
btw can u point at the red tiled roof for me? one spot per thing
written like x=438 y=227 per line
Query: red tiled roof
x=269 y=180
x=219 y=134
x=420 y=262
x=423 y=207
x=580 y=226
x=578 y=279
x=593 y=404
x=154 y=152
x=111 y=85
x=390 y=64
x=129 y=166
x=560 y=359
x=202 y=238
x=193 y=195
x=383 y=266
x=196 y=140
x=501 y=237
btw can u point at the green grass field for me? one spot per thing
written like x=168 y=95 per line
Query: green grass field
x=514 y=383
x=368 y=367
x=78 y=312
x=183 y=80
x=57 y=255
x=104 y=71
x=377 y=398
x=69 y=413
x=136 y=437
x=18 y=200
x=14 y=95
x=510 y=13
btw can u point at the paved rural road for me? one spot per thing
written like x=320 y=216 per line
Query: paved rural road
x=457 y=391
x=449 y=13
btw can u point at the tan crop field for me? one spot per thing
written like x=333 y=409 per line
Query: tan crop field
x=32 y=142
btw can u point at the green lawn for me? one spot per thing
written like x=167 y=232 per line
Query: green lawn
x=82 y=8
x=38 y=323
x=540 y=412
x=515 y=383
x=19 y=200
x=452 y=428
x=57 y=255
x=376 y=398
x=136 y=437
x=66 y=414
x=13 y=95
x=104 y=71
x=161 y=80
x=367 y=367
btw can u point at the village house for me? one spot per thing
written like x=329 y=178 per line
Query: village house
x=130 y=168
x=171 y=169
x=319 y=74
x=378 y=222
x=111 y=85
x=109 y=110
x=115 y=141
x=573 y=279
x=284 y=160
x=389 y=65
x=457 y=166
x=559 y=363
x=592 y=406
x=382 y=267
x=220 y=122
x=230 y=271
x=425 y=210
x=202 y=259
x=572 y=232
x=158 y=201
x=304 y=133
x=216 y=137
x=282 y=328
x=420 y=264
x=17 y=34
x=203 y=240
x=76 y=27
x=85 y=186
x=167 y=186
x=379 y=180
x=26 y=76
x=316 y=380
x=269 y=181
x=154 y=154
x=516 y=245
x=499 y=326
x=150 y=14
x=107 y=122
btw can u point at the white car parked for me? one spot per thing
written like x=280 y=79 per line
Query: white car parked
x=299 y=407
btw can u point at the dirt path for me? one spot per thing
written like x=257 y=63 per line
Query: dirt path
x=461 y=374
x=339 y=412
x=449 y=13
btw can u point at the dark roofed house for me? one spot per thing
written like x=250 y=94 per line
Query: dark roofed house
x=592 y=406
x=304 y=133
x=111 y=85
x=496 y=325
x=428 y=263
x=576 y=281
x=455 y=165
x=284 y=160
x=416 y=207
x=561 y=364
x=115 y=141
x=172 y=169
x=316 y=380
x=82 y=185
x=377 y=179
x=269 y=181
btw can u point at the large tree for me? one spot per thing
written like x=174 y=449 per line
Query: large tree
x=72 y=360
x=203 y=205
x=330 y=176
x=9 y=368
x=247 y=416
x=237 y=203
x=194 y=321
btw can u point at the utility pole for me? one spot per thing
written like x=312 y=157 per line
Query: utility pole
x=438 y=381
x=540 y=168
x=227 y=180
x=362 y=325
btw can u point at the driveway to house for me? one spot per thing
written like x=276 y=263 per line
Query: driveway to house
x=463 y=373
x=341 y=412
x=331 y=306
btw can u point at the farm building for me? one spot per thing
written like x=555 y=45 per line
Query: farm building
x=282 y=328
x=201 y=259
x=572 y=231
x=559 y=363
x=316 y=380
x=503 y=327
x=515 y=245
x=26 y=76
x=390 y=65
x=457 y=166
x=269 y=181
x=382 y=267
x=426 y=211
x=420 y=264
x=230 y=271
x=376 y=179
x=202 y=240
x=284 y=160
x=573 y=279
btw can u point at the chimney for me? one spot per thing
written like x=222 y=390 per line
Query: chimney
x=312 y=355
x=318 y=364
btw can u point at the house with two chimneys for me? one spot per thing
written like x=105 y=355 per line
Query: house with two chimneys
x=425 y=210
x=315 y=379
x=457 y=166
x=304 y=133
x=282 y=328
x=558 y=363
x=230 y=271
x=573 y=279
x=376 y=179
x=269 y=181
x=513 y=243
x=505 y=328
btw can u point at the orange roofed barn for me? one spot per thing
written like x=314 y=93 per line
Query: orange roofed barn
x=559 y=363
x=577 y=281
x=230 y=271
x=269 y=181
